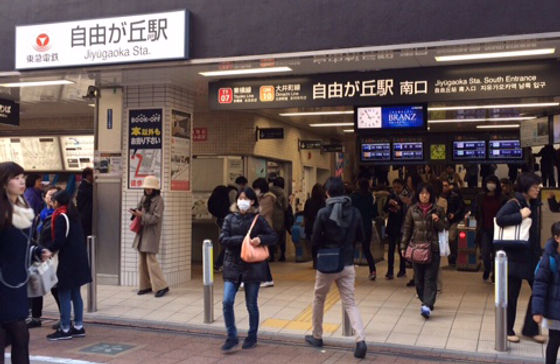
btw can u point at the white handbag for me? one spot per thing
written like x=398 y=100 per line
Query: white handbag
x=443 y=237
x=42 y=278
x=513 y=236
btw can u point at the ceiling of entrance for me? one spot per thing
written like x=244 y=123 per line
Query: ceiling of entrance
x=68 y=100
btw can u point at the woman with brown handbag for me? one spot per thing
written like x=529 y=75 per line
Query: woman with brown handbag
x=244 y=223
x=420 y=244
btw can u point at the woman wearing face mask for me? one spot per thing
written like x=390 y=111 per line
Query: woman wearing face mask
x=16 y=220
x=485 y=207
x=150 y=212
x=422 y=223
x=236 y=271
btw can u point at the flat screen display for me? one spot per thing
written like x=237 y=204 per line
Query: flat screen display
x=408 y=151
x=371 y=152
x=505 y=149
x=391 y=117
x=469 y=149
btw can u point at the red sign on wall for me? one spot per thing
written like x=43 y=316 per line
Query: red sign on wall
x=200 y=134
x=225 y=95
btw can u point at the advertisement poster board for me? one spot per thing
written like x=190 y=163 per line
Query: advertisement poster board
x=145 y=141
x=180 y=151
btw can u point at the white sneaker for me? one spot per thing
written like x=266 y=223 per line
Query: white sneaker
x=241 y=286
x=267 y=284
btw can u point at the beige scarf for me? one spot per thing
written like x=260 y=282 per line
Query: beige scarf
x=22 y=218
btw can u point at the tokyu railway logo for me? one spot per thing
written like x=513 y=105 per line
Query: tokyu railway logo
x=42 y=43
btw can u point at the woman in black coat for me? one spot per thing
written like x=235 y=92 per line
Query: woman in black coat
x=236 y=271
x=16 y=219
x=73 y=266
x=522 y=261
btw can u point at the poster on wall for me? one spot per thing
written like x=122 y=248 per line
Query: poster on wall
x=339 y=165
x=235 y=169
x=180 y=151
x=77 y=152
x=144 y=142
x=534 y=132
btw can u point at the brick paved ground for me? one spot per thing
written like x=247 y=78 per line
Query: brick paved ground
x=151 y=346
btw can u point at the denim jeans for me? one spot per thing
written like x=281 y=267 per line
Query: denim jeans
x=67 y=296
x=251 y=296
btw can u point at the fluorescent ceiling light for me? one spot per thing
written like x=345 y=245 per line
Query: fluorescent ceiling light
x=328 y=125
x=444 y=121
x=313 y=113
x=36 y=83
x=508 y=54
x=495 y=106
x=502 y=126
x=347 y=130
x=246 y=71
x=91 y=105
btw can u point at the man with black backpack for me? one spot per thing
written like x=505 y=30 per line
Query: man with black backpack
x=337 y=229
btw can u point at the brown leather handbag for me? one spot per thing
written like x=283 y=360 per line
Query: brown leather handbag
x=419 y=253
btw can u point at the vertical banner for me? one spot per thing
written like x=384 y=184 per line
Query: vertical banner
x=144 y=143
x=180 y=151
x=339 y=164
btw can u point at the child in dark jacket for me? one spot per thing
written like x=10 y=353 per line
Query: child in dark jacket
x=546 y=293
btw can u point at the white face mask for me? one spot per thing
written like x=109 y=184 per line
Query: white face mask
x=244 y=205
x=491 y=187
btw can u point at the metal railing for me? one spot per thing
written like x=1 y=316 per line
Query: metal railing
x=92 y=287
x=501 y=300
x=208 y=280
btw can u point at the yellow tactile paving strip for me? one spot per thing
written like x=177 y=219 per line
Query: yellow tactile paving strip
x=303 y=321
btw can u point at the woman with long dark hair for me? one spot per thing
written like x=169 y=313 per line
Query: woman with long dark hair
x=16 y=221
x=73 y=267
x=310 y=210
x=150 y=213
x=236 y=271
x=422 y=223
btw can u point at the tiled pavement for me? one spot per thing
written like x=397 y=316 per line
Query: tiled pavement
x=463 y=320
x=149 y=346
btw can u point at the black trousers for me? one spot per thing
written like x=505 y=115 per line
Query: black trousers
x=487 y=249
x=366 y=245
x=394 y=242
x=16 y=335
x=530 y=327
x=552 y=347
x=281 y=245
x=36 y=304
x=472 y=181
x=548 y=178
x=425 y=279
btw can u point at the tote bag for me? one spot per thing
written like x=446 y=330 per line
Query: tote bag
x=251 y=253
x=443 y=238
x=136 y=225
x=513 y=236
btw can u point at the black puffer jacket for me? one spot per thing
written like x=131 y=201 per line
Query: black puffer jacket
x=327 y=234
x=522 y=261
x=234 y=230
x=420 y=228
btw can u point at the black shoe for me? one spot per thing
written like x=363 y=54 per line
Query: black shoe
x=60 y=335
x=486 y=275
x=388 y=276
x=230 y=345
x=401 y=274
x=249 y=343
x=162 y=292
x=318 y=343
x=78 y=333
x=410 y=283
x=144 y=291
x=361 y=350
x=33 y=323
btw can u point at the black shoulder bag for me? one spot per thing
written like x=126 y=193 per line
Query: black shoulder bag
x=331 y=260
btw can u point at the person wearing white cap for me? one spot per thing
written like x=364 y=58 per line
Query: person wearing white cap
x=147 y=240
